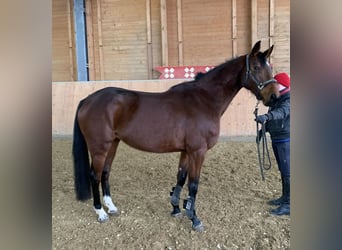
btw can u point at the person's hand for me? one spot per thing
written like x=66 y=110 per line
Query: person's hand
x=261 y=118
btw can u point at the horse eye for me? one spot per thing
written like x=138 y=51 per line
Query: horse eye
x=256 y=68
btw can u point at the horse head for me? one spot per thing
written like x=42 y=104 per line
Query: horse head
x=258 y=77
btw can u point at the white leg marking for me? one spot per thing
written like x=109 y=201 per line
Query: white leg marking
x=103 y=216
x=112 y=209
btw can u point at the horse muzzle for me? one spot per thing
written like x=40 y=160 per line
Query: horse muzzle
x=273 y=98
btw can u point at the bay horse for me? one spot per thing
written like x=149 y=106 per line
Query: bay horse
x=185 y=119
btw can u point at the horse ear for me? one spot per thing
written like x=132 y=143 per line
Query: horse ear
x=268 y=52
x=256 y=48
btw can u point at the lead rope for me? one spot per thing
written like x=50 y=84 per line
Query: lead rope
x=265 y=151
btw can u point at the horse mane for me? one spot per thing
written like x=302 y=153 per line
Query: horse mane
x=200 y=76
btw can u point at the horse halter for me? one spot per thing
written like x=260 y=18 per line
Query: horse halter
x=249 y=74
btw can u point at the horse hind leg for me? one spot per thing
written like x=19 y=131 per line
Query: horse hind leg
x=107 y=199
x=95 y=178
x=181 y=178
x=98 y=164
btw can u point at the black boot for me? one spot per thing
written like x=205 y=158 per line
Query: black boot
x=284 y=208
x=279 y=201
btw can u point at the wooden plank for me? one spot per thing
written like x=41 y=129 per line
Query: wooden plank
x=148 y=21
x=271 y=25
x=271 y=19
x=149 y=39
x=126 y=39
x=180 y=33
x=254 y=21
x=234 y=29
x=243 y=15
x=156 y=36
x=163 y=19
x=99 y=28
x=90 y=41
x=71 y=61
x=172 y=32
x=212 y=24
x=149 y=61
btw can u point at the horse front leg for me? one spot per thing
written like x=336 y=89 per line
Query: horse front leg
x=195 y=164
x=189 y=206
x=181 y=178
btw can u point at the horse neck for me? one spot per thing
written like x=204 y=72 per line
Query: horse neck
x=223 y=84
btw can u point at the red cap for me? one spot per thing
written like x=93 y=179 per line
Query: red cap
x=283 y=79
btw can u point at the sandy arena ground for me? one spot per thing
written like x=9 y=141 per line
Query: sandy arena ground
x=231 y=203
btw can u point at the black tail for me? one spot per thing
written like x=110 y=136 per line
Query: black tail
x=81 y=162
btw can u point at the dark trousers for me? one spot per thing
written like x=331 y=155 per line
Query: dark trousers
x=282 y=154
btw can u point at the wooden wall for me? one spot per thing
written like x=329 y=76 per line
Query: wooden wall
x=63 y=52
x=281 y=37
x=204 y=39
x=127 y=38
x=238 y=120
x=124 y=40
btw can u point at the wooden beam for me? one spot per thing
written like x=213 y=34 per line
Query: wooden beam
x=149 y=40
x=148 y=21
x=80 y=41
x=254 y=21
x=99 y=27
x=234 y=29
x=163 y=19
x=271 y=19
x=271 y=22
x=90 y=41
x=180 y=33
x=70 y=43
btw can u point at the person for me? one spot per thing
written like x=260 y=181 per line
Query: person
x=277 y=124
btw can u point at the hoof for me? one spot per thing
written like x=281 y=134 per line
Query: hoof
x=103 y=218
x=176 y=214
x=112 y=209
x=198 y=227
x=102 y=215
x=113 y=212
x=176 y=211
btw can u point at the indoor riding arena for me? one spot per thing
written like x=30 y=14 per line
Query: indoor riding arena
x=150 y=46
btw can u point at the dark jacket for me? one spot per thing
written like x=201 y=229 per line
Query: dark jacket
x=278 y=124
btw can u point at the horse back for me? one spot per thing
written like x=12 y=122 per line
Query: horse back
x=155 y=122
